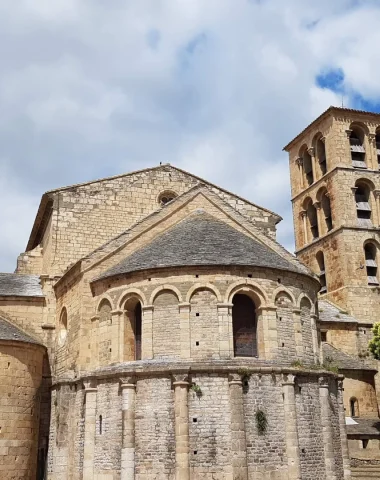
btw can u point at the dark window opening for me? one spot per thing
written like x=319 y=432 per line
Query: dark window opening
x=100 y=425
x=365 y=443
x=378 y=148
x=326 y=207
x=357 y=149
x=370 y=251
x=322 y=272
x=308 y=168
x=354 y=410
x=137 y=331
x=323 y=336
x=244 y=326
x=321 y=155
x=363 y=207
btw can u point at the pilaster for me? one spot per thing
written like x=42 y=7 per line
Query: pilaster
x=269 y=328
x=292 y=445
x=147 y=351
x=184 y=333
x=226 y=341
x=128 y=392
x=181 y=412
x=90 y=391
x=327 y=431
x=298 y=332
x=116 y=346
x=343 y=433
x=238 y=440
x=314 y=336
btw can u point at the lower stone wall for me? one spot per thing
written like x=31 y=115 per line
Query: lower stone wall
x=182 y=425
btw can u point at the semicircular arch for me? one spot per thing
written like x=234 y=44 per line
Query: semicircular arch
x=286 y=291
x=205 y=286
x=247 y=286
x=162 y=288
x=130 y=292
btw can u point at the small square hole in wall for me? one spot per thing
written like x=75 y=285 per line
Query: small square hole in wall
x=195 y=452
x=197 y=344
x=195 y=420
x=279 y=280
x=364 y=332
x=197 y=314
x=149 y=279
x=280 y=318
x=283 y=344
x=303 y=450
x=196 y=276
x=110 y=349
x=249 y=275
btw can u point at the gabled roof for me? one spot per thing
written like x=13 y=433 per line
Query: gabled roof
x=342 y=360
x=328 y=312
x=201 y=240
x=364 y=426
x=17 y=285
x=12 y=333
x=46 y=197
x=331 y=110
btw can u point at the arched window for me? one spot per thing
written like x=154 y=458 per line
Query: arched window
x=326 y=208
x=312 y=219
x=244 y=326
x=370 y=253
x=307 y=167
x=357 y=148
x=322 y=272
x=166 y=197
x=354 y=407
x=133 y=330
x=363 y=206
x=320 y=151
x=62 y=333
x=378 y=146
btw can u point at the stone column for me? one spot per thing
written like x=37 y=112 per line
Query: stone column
x=311 y=152
x=147 y=350
x=184 y=330
x=314 y=335
x=299 y=163
x=355 y=215
x=327 y=431
x=376 y=194
x=116 y=320
x=298 y=332
x=304 y=225
x=343 y=432
x=89 y=430
x=128 y=392
x=181 y=412
x=292 y=445
x=322 y=228
x=239 y=446
x=95 y=339
x=226 y=340
x=269 y=329
x=348 y=155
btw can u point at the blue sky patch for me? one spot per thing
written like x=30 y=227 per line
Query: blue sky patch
x=332 y=79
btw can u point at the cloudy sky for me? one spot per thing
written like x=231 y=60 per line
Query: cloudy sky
x=91 y=88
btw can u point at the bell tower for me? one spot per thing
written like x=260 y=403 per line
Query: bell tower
x=335 y=186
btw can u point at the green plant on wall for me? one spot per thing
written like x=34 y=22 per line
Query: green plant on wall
x=196 y=389
x=244 y=373
x=261 y=422
x=374 y=344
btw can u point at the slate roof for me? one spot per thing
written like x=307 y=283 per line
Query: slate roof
x=10 y=332
x=202 y=240
x=328 y=312
x=364 y=426
x=15 y=285
x=342 y=360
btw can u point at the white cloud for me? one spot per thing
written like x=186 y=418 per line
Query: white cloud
x=90 y=88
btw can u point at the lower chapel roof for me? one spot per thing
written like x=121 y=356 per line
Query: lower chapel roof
x=342 y=360
x=328 y=312
x=14 y=334
x=15 y=285
x=202 y=240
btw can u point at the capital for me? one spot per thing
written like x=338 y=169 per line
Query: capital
x=303 y=213
x=340 y=384
x=348 y=133
x=311 y=151
x=317 y=205
x=323 y=139
x=323 y=382
x=288 y=379
x=372 y=137
x=90 y=385
x=128 y=381
x=353 y=190
x=299 y=161
x=376 y=193
x=181 y=378
x=234 y=379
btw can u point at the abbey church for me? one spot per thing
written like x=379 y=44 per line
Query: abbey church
x=154 y=329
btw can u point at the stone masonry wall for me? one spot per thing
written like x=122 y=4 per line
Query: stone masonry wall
x=20 y=380
x=310 y=430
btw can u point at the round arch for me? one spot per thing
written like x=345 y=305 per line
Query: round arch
x=206 y=286
x=365 y=181
x=306 y=297
x=249 y=287
x=170 y=288
x=104 y=297
x=359 y=126
x=285 y=290
x=130 y=292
